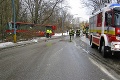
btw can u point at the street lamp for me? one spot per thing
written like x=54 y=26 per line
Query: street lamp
x=62 y=21
x=13 y=11
x=62 y=18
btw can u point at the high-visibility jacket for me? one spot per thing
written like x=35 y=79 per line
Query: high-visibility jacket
x=78 y=31
x=70 y=33
x=73 y=32
x=50 y=32
x=47 y=31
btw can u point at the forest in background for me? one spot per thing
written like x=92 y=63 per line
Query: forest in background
x=42 y=12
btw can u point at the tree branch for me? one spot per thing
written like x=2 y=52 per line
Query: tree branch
x=2 y=1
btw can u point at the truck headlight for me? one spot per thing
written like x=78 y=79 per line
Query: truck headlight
x=117 y=46
x=117 y=37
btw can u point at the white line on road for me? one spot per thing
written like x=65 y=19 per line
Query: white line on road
x=98 y=65
x=74 y=43
x=59 y=50
x=102 y=68
x=80 y=47
x=85 y=51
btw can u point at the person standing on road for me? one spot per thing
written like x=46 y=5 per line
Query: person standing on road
x=70 y=34
x=47 y=33
x=50 y=33
x=77 y=33
x=86 y=31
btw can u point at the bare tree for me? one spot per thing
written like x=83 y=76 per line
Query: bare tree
x=5 y=16
x=35 y=11
x=95 y=3
x=51 y=9
x=41 y=10
x=1 y=2
x=118 y=1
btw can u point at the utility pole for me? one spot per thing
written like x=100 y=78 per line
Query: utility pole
x=62 y=19
x=14 y=22
x=62 y=22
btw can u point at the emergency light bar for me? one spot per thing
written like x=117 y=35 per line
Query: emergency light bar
x=114 y=5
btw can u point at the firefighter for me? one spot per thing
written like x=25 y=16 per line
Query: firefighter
x=70 y=34
x=47 y=33
x=86 y=31
x=77 y=32
x=50 y=33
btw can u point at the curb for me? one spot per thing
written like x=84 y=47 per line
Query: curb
x=27 y=43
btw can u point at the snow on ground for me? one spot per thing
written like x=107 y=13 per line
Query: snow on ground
x=8 y=44
x=60 y=34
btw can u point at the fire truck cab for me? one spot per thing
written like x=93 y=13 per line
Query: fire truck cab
x=104 y=28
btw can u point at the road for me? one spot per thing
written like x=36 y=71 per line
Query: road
x=56 y=59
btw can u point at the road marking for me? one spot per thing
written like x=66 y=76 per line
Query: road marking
x=98 y=65
x=74 y=43
x=85 y=50
x=79 y=47
x=59 y=50
x=102 y=69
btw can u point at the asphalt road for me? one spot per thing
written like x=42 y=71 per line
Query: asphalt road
x=56 y=59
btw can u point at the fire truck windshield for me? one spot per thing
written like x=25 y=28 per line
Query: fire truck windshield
x=117 y=19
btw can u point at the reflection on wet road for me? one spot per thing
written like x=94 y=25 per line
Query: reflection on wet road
x=56 y=59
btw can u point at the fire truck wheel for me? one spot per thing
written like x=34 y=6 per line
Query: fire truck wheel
x=103 y=50
x=92 y=44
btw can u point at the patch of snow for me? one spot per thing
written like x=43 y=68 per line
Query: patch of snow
x=60 y=34
x=36 y=39
x=2 y=45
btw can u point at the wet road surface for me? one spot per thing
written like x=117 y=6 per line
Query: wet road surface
x=56 y=59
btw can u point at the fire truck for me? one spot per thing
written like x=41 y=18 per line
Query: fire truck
x=104 y=28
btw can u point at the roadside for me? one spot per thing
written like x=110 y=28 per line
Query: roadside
x=34 y=40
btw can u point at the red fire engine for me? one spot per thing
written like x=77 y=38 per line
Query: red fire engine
x=23 y=27
x=104 y=28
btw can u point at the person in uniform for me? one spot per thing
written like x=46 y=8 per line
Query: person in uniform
x=47 y=33
x=77 y=32
x=70 y=34
x=50 y=33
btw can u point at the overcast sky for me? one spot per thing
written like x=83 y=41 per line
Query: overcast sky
x=77 y=9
